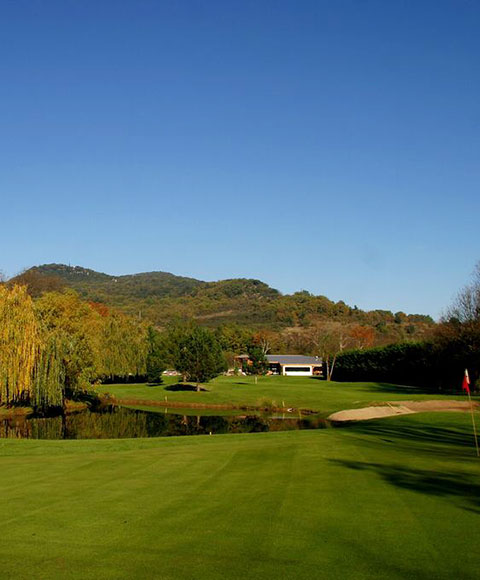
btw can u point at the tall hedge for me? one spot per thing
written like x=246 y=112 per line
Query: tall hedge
x=425 y=364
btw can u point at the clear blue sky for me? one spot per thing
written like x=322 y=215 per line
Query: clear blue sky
x=331 y=145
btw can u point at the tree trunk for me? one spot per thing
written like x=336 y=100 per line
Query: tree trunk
x=333 y=366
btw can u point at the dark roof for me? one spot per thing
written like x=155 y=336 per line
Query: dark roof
x=294 y=359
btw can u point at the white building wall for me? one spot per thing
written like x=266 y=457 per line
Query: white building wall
x=297 y=373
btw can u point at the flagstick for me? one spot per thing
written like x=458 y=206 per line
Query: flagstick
x=473 y=422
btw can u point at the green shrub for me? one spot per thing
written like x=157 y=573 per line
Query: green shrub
x=424 y=364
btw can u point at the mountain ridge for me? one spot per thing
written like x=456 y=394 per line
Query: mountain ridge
x=162 y=297
x=155 y=283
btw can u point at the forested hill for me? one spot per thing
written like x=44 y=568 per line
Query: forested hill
x=162 y=297
x=105 y=288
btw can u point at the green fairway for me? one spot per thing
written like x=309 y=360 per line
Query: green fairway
x=397 y=498
x=301 y=392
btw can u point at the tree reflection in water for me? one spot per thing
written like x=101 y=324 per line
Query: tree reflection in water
x=123 y=423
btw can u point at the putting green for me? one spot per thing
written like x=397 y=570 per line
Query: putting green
x=396 y=498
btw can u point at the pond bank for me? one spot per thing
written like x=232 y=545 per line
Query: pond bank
x=212 y=406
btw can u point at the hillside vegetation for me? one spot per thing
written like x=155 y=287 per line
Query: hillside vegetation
x=161 y=297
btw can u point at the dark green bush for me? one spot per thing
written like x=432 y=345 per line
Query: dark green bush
x=435 y=367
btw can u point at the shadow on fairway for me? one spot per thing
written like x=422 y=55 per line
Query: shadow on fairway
x=388 y=388
x=463 y=486
x=397 y=389
x=180 y=387
x=388 y=429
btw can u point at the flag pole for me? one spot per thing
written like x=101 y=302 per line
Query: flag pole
x=473 y=423
x=466 y=387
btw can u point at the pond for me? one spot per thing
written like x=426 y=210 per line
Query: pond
x=121 y=423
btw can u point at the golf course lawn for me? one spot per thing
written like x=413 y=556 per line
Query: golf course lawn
x=300 y=392
x=393 y=498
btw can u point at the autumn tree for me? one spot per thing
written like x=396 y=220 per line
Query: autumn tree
x=466 y=306
x=361 y=336
x=38 y=283
x=263 y=339
x=19 y=344
x=56 y=346
x=459 y=333
x=328 y=341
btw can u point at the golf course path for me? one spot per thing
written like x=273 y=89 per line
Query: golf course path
x=390 y=409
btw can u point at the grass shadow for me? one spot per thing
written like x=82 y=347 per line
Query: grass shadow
x=392 y=429
x=181 y=387
x=461 y=486
x=392 y=388
x=399 y=389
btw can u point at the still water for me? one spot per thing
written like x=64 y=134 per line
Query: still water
x=121 y=423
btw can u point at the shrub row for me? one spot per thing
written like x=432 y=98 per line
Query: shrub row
x=424 y=364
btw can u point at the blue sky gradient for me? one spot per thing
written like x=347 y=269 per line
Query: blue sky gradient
x=328 y=146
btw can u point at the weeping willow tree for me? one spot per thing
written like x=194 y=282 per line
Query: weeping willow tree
x=71 y=329
x=49 y=374
x=56 y=347
x=19 y=343
x=123 y=348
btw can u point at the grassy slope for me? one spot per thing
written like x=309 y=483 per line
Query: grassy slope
x=303 y=392
x=388 y=499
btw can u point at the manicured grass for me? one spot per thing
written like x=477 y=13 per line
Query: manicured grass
x=393 y=498
x=301 y=392
x=397 y=498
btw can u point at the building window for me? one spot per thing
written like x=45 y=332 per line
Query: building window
x=297 y=369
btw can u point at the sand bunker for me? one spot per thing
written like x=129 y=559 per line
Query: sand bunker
x=392 y=408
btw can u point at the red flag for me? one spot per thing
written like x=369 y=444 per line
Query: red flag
x=466 y=382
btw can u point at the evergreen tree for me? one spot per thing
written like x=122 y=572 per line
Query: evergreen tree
x=155 y=356
x=199 y=356
x=257 y=361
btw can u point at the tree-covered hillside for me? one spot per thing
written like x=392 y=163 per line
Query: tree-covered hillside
x=161 y=297
x=99 y=286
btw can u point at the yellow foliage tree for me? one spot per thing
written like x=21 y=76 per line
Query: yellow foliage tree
x=19 y=343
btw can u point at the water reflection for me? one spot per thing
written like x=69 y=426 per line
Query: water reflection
x=120 y=422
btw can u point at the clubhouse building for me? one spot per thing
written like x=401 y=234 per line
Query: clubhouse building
x=290 y=364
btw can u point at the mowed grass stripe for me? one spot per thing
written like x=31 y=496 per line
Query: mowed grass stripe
x=275 y=505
